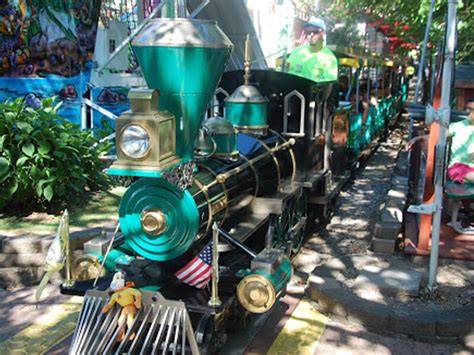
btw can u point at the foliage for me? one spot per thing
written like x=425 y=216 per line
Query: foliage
x=44 y=159
x=411 y=13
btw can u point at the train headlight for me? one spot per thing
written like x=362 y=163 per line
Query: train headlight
x=135 y=141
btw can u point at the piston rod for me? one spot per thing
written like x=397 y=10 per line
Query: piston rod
x=237 y=243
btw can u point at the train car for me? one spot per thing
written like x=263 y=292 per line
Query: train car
x=243 y=187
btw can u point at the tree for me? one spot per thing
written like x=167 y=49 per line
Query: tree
x=407 y=18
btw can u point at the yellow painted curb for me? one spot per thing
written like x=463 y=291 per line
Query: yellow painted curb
x=40 y=337
x=301 y=333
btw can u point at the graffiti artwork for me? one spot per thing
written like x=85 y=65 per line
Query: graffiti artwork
x=113 y=100
x=46 y=49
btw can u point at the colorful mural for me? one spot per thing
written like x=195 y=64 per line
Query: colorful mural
x=46 y=49
x=113 y=100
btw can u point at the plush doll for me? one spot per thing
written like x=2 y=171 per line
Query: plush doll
x=129 y=298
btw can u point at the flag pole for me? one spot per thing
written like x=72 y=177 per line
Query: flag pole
x=69 y=282
x=109 y=247
x=214 y=301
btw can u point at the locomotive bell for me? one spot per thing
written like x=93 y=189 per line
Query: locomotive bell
x=247 y=108
x=185 y=60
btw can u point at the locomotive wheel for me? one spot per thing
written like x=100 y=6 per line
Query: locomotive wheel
x=299 y=211
x=281 y=229
x=283 y=236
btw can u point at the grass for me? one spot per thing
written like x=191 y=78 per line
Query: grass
x=101 y=209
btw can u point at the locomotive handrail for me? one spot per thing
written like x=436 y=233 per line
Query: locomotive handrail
x=221 y=178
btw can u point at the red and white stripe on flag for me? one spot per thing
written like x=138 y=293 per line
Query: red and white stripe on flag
x=198 y=271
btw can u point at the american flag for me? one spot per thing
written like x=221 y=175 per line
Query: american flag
x=198 y=271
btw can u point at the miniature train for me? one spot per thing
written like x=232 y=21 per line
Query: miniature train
x=253 y=178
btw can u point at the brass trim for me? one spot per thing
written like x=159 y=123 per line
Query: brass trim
x=153 y=222
x=257 y=180
x=252 y=127
x=256 y=293
x=120 y=143
x=277 y=164
x=205 y=192
x=292 y=154
x=234 y=154
x=224 y=189
x=85 y=267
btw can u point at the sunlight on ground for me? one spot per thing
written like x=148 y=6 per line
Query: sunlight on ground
x=301 y=332
x=100 y=210
x=47 y=331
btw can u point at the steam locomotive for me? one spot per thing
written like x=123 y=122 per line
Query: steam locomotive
x=246 y=183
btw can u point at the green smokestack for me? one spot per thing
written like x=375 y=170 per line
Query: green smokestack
x=184 y=59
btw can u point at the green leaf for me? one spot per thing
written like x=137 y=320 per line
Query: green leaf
x=10 y=116
x=48 y=193
x=44 y=147
x=20 y=162
x=4 y=168
x=28 y=149
x=42 y=182
x=39 y=190
x=48 y=102
x=2 y=141
x=25 y=126
x=35 y=172
x=13 y=188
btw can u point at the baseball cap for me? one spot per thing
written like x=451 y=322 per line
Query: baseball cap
x=315 y=22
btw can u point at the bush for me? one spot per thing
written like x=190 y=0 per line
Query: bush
x=44 y=159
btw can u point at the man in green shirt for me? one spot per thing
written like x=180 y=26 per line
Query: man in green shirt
x=314 y=61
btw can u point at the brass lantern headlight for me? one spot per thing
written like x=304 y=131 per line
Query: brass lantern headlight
x=135 y=141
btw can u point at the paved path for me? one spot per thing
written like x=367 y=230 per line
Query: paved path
x=295 y=327
x=303 y=330
x=28 y=329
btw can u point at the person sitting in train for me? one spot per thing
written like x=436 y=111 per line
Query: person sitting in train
x=363 y=103
x=313 y=60
x=343 y=83
x=461 y=164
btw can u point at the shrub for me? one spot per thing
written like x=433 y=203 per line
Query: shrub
x=44 y=159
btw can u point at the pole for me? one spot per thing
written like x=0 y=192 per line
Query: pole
x=422 y=64
x=69 y=280
x=423 y=52
x=214 y=301
x=109 y=247
x=445 y=112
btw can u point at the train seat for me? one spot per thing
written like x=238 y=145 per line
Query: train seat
x=457 y=192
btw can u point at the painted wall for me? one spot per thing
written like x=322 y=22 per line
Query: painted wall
x=46 y=49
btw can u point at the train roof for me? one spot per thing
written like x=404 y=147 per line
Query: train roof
x=357 y=57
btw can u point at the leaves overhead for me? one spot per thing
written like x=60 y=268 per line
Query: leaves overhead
x=402 y=13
